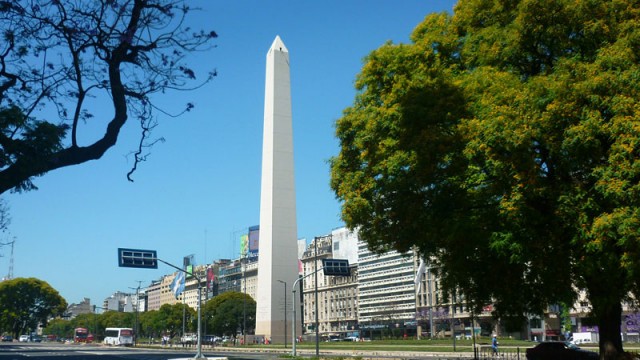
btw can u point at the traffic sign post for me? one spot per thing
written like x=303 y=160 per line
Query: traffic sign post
x=330 y=267
x=148 y=259
x=336 y=267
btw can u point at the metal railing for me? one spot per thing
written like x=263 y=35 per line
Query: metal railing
x=486 y=352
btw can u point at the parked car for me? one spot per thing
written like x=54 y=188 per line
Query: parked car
x=189 y=339
x=23 y=338
x=560 y=350
x=7 y=338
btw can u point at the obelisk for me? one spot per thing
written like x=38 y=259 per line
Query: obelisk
x=278 y=254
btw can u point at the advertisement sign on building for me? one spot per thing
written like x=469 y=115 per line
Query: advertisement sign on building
x=632 y=322
x=254 y=240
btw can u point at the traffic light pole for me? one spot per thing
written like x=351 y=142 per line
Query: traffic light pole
x=199 y=352
x=148 y=259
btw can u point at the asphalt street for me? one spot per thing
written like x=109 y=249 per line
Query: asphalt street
x=55 y=351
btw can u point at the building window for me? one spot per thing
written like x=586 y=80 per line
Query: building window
x=535 y=323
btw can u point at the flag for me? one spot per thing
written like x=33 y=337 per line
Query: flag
x=418 y=279
x=210 y=278
x=177 y=286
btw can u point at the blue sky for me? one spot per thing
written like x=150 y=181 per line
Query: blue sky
x=200 y=189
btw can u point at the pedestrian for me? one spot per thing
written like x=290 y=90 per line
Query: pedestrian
x=494 y=345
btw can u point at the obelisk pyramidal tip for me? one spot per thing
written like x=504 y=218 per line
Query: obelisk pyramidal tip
x=278 y=251
x=278 y=45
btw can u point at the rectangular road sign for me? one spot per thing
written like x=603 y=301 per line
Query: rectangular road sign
x=336 y=267
x=146 y=259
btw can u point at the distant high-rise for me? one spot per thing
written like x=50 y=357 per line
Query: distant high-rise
x=278 y=248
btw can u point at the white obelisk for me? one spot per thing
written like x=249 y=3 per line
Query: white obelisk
x=278 y=249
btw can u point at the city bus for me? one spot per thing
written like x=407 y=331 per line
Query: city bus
x=118 y=336
x=81 y=335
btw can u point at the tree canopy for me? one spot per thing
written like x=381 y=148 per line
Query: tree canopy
x=171 y=317
x=503 y=143
x=61 y=59
x=113 y=318
x=27 y=302
x=225 y=313
x=151 y=324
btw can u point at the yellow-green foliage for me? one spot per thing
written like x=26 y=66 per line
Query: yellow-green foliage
x=504 y=140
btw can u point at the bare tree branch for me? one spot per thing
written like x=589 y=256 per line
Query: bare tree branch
x=56 y=55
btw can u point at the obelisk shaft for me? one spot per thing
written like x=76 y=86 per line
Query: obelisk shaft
x=278 y=259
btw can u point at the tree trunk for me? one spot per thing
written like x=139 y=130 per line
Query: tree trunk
x=609 y=328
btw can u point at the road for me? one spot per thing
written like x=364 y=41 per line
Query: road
x=54 y=351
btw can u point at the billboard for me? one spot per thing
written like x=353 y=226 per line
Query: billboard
x=254 y=240
x=244 y=245
x=632 y=322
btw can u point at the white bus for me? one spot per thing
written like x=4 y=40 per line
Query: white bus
x=118 y=336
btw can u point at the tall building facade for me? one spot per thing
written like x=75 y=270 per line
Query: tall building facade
x=386 y=291
x=337 y=295
x=278 y=261
x=84 y=307
x=120 y=301
x=240 y=275
x=159 y=293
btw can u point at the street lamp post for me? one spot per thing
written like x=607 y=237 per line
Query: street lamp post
x=315 y=262
x=285 y=313
x=136 y=325
x=95 y=319
x=243 y=263
x=293 y=309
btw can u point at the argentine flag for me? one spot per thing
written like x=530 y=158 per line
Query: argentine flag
x=177 y=286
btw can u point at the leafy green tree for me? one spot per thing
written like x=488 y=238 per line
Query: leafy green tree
x=96 y=323
x=151 y=324
x=91 y=322
x=59 y=327
x=117 y=319
x=172 y=316
x=503 y=143
x=27 y=302
x=60 y=59
x=225 y=313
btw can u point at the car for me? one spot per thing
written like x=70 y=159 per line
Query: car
x=24 y=338
x=189 y=339
x=7 y=338
x=560 y=350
